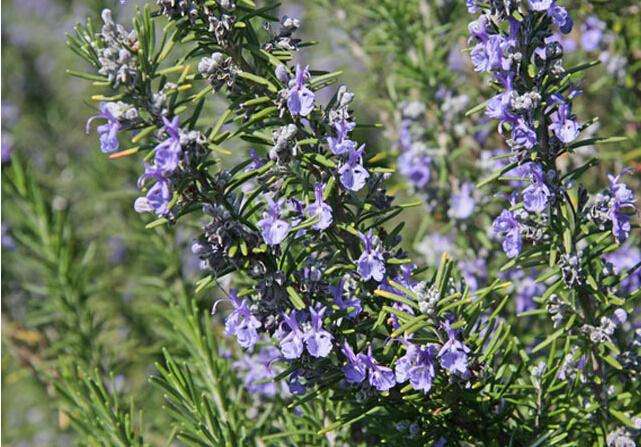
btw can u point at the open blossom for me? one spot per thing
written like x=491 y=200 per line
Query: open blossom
x=320 y=209
x=361 y=366
x=241 y=322
x=592 y=31
x=273 y=229
x=300 y=99
x=291 y=344
x=356 y=368
x=536 y=196
x=508 y=228
x=622 y=260
x=417 y=366
x=167 y=153
x=523 y=135
x=258 y=371
x=158 y=196
x=622 y=203
x=454 y=354
x=318 y=340
x=414 y=164
x=564 y=127
x=107 y=132
x=352 y=173
x=341 y=144
x=371 y=264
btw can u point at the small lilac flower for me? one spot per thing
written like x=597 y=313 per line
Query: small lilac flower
x=380 y=377
x=453 y=354
x=341 y=144
x=156 y=200
x=523 y=135
x=498 y=107
x=352 y=173
x=241 y=322
x=356 y=368
x=480 y=57
x=622 y=260
x=621 y=203
x=536 y=196
x=107 y=132
x=462 y=203
x=414 y=165
x=472 y=7
x=273 y=229
x=291 y=345
x=168 y=151
x=371 y=264
x=258 y=372
x=421 y=374
x=300 y=99
x=508 y=227
x=561 y=18
x=592 y=33
x=318 y=340
x=564 y=127
x=338 y=292
x=320 y=209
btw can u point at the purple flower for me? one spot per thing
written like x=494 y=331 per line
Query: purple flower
x=300 y=99
x=168 y=151
x=472 y=8
x=561 y=18
x=565 y=128
x=414 y=165
x=498 y=107
x=241 y=322
x=592 y=33
x=359 y=366
x=318 y=340
x=453 y=354
x=621 y=203
x=291 y=345
x=417 y=366
x=462 y=203
x=341 y=144
x=371 y=264
x=107 y=132
x=526 y=290
x=258 y=373
x=380 y=377
x=352 y=173
x=320 y=209
x=535 y=196
x=523 y=135
x=508 y=227
x=338 y=292
x=156 y=200
x=356 y=368
x=273 y=229
x=622 y=260
x=480 y=58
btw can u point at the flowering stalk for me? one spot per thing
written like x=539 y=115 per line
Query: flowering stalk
x=552 y=222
